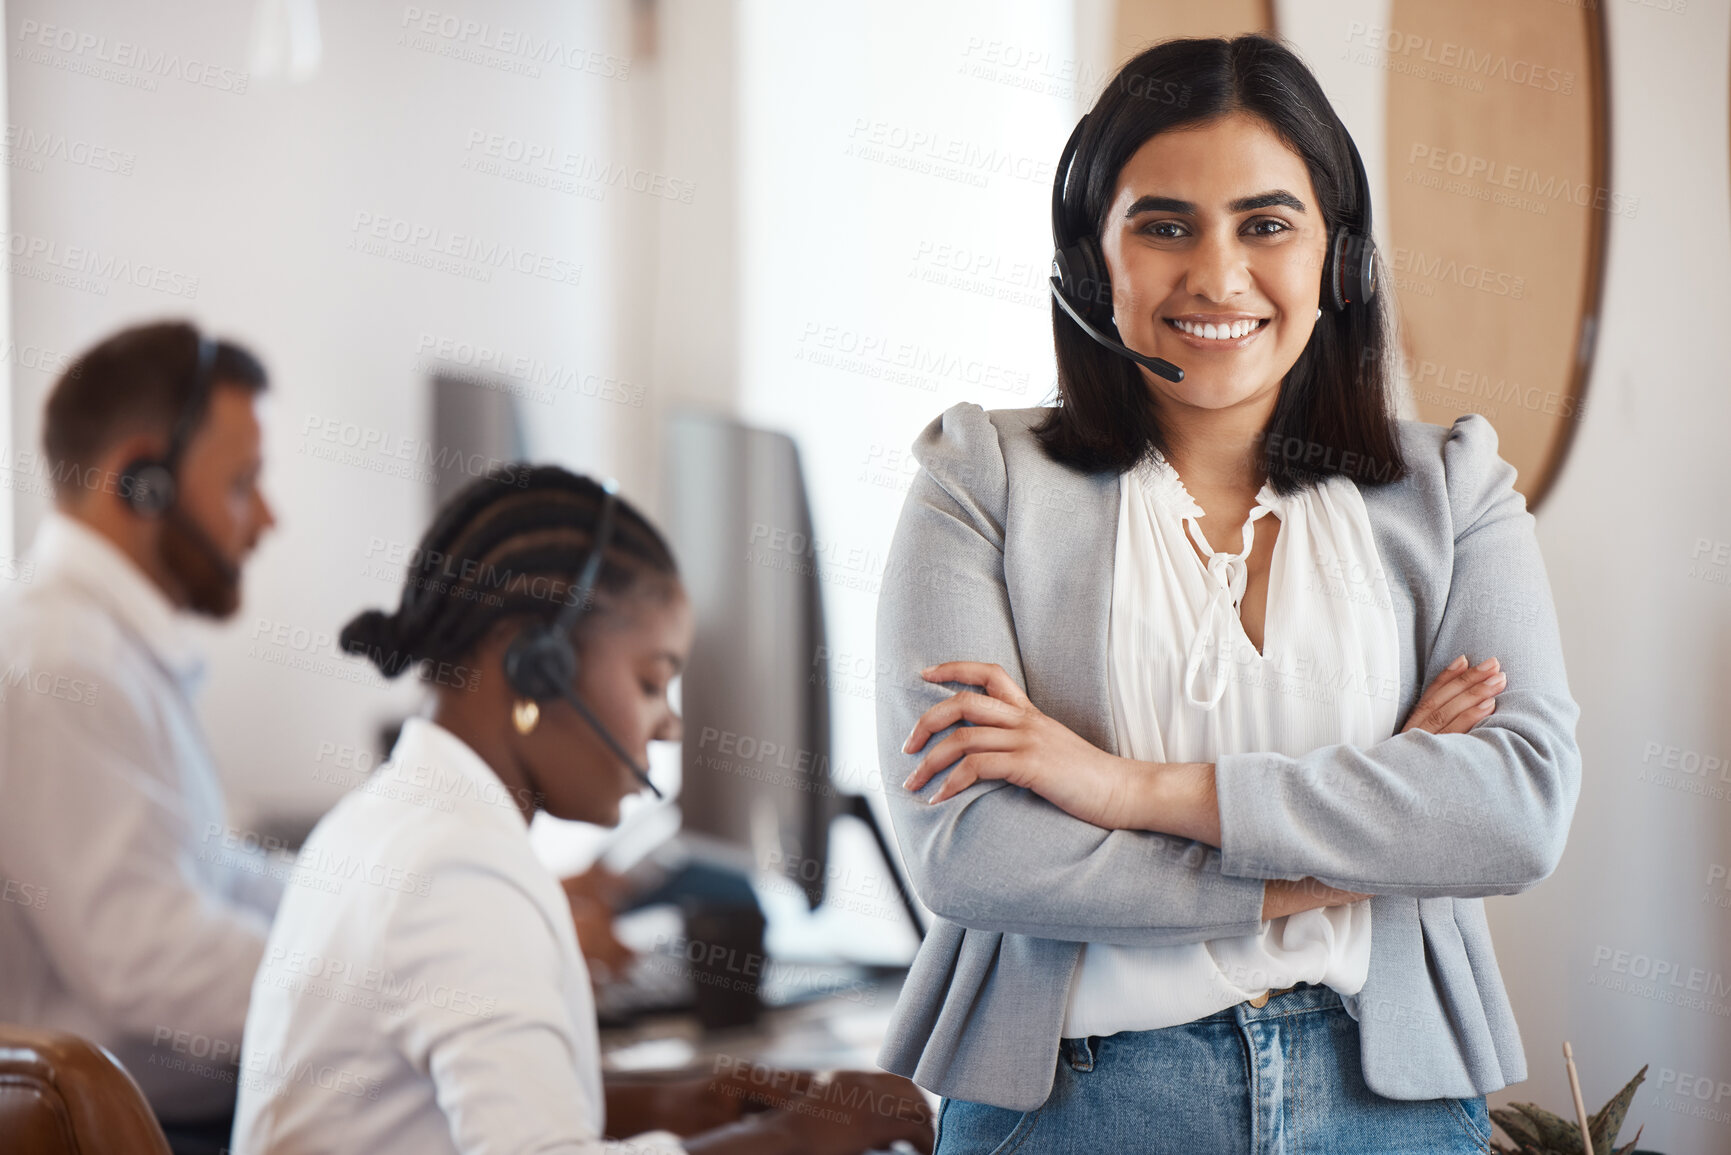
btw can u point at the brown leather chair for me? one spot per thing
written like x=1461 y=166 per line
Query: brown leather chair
x=63 y=1095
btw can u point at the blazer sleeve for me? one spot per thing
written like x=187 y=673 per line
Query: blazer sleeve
x=998 y=857
x=1465 y=815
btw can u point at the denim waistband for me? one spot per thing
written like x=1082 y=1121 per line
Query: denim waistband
x=1079 y=1052
x=1303 y=997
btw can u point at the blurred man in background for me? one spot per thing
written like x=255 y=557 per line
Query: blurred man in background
x=147 y=913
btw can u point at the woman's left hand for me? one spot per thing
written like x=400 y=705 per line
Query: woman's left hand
x=1011 y=739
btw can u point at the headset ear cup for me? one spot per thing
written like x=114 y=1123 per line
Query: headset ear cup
x=148 y=487
x=1351 y=271
x=540 y=664
x=1364 y=270
x=1083 y=279
x=1096 y=281
x=1334 y=270
x=1068 y=265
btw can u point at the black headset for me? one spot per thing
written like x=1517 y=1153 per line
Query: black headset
x=541 y=663
x=149 y=484
x=1082 y=286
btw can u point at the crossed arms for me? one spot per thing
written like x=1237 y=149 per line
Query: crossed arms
x=1420 y=814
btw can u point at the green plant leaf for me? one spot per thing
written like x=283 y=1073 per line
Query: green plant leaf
x=1630 y=1145
x=1604 y=1125
x=1554 y=1131
x=1515 y=1125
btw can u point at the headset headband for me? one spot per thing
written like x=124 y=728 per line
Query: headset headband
x=1069 y=154
x=1359 y=178
x=193 y=409
x=1059 y=237
x=586 y=578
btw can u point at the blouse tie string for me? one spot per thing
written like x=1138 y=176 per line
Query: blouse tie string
x=1228 y=573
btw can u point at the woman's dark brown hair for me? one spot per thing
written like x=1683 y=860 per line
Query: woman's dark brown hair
x=1334 y=414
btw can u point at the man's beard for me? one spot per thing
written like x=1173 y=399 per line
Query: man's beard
x=211 y=583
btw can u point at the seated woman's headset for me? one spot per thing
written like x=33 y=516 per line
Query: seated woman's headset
x=541 y=663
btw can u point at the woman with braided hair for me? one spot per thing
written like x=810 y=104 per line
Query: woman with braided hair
x=422 y=988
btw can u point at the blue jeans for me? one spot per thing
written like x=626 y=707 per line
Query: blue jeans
x=1283 y=1079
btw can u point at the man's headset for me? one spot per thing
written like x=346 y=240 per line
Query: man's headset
x=150 y=484
x=541 y=663
x=1082 y=286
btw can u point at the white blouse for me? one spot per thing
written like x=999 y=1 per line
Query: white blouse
x=1187 y=686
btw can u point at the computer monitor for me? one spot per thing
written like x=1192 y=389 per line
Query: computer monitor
x=475 y=423
x=756 y=750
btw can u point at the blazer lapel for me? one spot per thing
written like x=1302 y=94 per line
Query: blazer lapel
x=1058 y=561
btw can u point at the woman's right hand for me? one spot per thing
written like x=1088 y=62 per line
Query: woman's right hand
x=1459 y=698
x=1453 y=703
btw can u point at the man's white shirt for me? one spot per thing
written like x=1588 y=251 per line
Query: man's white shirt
x=133 y=915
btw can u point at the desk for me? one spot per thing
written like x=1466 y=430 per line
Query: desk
x=843 y=1030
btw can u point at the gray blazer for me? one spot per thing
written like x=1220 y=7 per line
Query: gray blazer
x=1002 y=555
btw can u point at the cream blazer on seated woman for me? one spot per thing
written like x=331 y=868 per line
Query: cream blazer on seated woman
x=422 y=990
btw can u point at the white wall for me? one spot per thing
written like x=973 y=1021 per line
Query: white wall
x=256 y=195
x=894 y=226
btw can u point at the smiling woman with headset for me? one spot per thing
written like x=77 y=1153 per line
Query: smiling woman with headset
x=422 y=989
x=1207 y=863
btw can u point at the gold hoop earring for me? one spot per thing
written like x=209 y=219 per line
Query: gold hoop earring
x=525 y=715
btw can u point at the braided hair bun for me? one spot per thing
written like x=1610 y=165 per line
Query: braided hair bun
x=368 y=633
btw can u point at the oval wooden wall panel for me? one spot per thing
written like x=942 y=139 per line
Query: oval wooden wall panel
x=1498 y=203
x=1142 y=22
